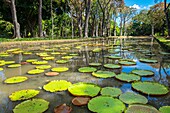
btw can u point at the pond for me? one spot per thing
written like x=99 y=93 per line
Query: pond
x=82 y=54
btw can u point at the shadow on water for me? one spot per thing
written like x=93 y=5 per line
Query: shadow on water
x=133 y=49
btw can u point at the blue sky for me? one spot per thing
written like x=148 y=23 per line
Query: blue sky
x=141 y=4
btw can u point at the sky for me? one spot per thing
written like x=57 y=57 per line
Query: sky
x=141 y=4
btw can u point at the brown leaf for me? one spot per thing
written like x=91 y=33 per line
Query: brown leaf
x=63 y=108
x=80 y=101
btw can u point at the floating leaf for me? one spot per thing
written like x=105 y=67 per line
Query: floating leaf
x=57 y=85
x=62 y=61
x=14 y=65
x=80 y=101
x=48 y=58
x=112 y=66
x=42 y=67
x=9 y=62
x=31 y=60
x=23 y=94
x=96 y=50
x=87 y=69
x=2 y=64
x=110 y=91
x=132 y=98
x=164 y=109
x=104 y=104
x=151 y=88
x=27 y=53
x=16 y=79
x=95 y=64
x=67 y=57
x=63 y=108
x=12 y=50
x=114 y=57
x=127 y=62
x=143 y=72
x=35 y=71
x=51 y=74
x=60 y=69
x=40 y=62
x=127 y=77
x=139 y=108
x=32 y=106
x=84 y=89
x=148 y=60
x=103 y=74
x=1 y=69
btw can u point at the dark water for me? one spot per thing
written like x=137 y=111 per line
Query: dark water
x=127 y=48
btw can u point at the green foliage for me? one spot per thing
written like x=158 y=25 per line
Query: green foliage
x=16 y=79
x=110 y=91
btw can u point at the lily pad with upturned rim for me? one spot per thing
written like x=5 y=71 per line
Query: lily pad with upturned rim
x=96 y=50
x=42 y=67
x=31 y=60
x=132 y=98
x=128 y=77
x=57 y=85
x=62 y=61
x=48 y=58
x=112 y=66
x=164 y=109
x=104 y=104
x=51 y=74
x=9 y=62
x=143 y=72
x=110 y=91
x=32 y=106
x=127 y=62
x=103 y=74
x=151 y=88
x=140 y=108
x=1 y=69
x=23 y=94
x=40 y=62
x=84 y=89
x=114 y=57
x=87 y=69
x=14 y=65
x=148 y=60
x=16 y=79
x=35 y=71
x=60 y=69
x=95 y=64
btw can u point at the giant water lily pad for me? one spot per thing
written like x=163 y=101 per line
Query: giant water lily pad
x=62 y=61
x=127 y=62
x=151 y=88
x=32 y=106
x=104 y=104
x=110 y=91
x=95 y=64
x=132 y=98
x=31 y=60
x=9 y=62
x=51 y=74
x=14 y=65
x=103 y=74
x=143 y=72
x=60 y=69
x=84 y=89
x=112 y=66
x=164 y=109
x=139 y=108
x=35 y=71
x=148 y=60
x=96 y=50
x=48 y=58
x=43 y=67
x=87 y=69
x=16 y=79
x=2 y=64
x=40 y=62
x=127 y=77
x=1 y=69
x=57 y=85
x=114 y=57
x=67 y=57
x=23 y=94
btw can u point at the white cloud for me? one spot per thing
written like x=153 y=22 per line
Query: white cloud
x=135 y=6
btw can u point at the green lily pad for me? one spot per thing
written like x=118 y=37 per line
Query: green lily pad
x=114 y=57
x=139 y=108
x=35 y=71
x=12 y=50
x=87 y=69
x=96 y=50
x=67 y=57
x=42 y=67
x=32 y=106
x=60 y=69
x=74 y=54
x=14 y=65
x=127 y=77
x=164 y=109
x=40 y=62
x=27 y=53
x=31 y=60
x=95 y=64
x=149 y=88
x=112 y=66
x=110 y=91
x=62 y=61
x=48 y=58
x=1 y=69
x=84 y=89
x=16 y=79
x=103 y=74
x=132 y=98
x=23 y=94
x=9 y=62
x=148 y=60
x=143 y=72
x=42 y=54
x=127 y=62
x=2 y=64
x=104 y=104
x=55 y=53
x=57 y=85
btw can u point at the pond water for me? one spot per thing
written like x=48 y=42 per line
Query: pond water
x=133 y=49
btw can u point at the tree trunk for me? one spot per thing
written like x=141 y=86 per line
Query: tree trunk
x=88 y=8
x=80 y=27
x=40 y=33
x=167 y=16
x=15 y=21
x=97 y=29
x=153 y=32
x=115 y=26
x=121 y=29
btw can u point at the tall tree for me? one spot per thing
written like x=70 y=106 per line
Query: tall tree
x=40 y=32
